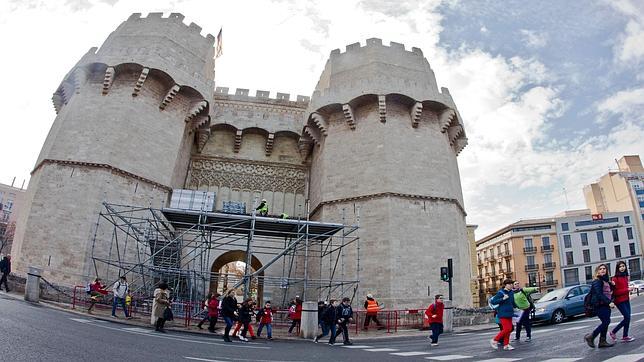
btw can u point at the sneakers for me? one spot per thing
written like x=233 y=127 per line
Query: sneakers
x=115 y=317
x=242 y=338
x=528 y=339
x=508 y=348
x=434 y=344
x=494 y=344
x=348 y=343
x=315 y=340
x=628 y=339
x=612 y=335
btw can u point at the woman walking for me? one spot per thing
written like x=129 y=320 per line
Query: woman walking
x=505 y=299
x=601 y=300
x=621 y=298
x=229 y=311
x=160 y=303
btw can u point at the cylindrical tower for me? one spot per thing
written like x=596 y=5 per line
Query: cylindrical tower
x=128 y=115
x=383 y=138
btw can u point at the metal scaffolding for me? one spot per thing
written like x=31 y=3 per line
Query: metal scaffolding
x=149 y=245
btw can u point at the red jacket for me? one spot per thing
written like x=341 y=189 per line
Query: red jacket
x=267 y=316
x=620 y=293
x=298 y=311
x=213 y=308
x=437 y=309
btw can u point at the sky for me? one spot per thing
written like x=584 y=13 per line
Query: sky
x=551 y=92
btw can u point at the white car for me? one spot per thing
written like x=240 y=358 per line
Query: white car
x=636 y=285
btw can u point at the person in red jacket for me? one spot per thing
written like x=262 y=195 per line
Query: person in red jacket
x=213 y=311
x=265 y=317
x=296 y=315
x=621 y=299
x=435 y=314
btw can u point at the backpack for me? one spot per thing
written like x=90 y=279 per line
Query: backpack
x=88 y=288
x=529 y=298
x=589 y=308
x=492 y=306
x=291 y=312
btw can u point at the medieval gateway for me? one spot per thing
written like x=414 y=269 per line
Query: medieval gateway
x=365 y=169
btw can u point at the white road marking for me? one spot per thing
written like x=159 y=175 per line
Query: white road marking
x=500 y=360
x=626 y=358
x=575 y=328
x=138 y=329
x=640 y=321
x=562 y=360
x=204 y=359
x=409 y=354
x=358 y=346
x=543 y=330
x=381 y=349
x=82 y=320
x=448 y=357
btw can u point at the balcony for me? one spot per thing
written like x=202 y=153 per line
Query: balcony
x=550 y=283
x=551 y=265
x=530 y=250
x=491 y=290
x=506 y=254
x=480 y=262
x=532 y=267
x=547 y=248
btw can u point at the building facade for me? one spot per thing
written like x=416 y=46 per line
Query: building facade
x=587 y=240
x=140 y=116
x=526 y=251
x=11 y=203
x=474 y=283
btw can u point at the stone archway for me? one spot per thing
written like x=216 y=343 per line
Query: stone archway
x=231 y=257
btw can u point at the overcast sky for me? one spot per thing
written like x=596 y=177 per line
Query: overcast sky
x=551 y=92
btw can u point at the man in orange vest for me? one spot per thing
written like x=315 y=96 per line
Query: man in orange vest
x=372 y=308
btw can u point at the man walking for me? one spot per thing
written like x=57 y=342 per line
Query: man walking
x=372 y=307
x=435 y=314
x=345 y=316
x=329 y=319
x=120 y=290
x=5 y=268
x=523 y=301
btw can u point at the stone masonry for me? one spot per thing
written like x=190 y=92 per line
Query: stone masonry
x=141 y=115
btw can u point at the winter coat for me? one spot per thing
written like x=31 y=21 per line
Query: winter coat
x=119 y=289
x=213 y=308
x=245 y=313
x=265 y=316
x=506 y=307
x=597 y=288
x=521 y=299
x=344 y=313
x=229 y=307
x=321 y=310
x=5 y=265
x=330 y=315
x=436 y=308
x=159 y=304
x=621 y=291
x=298 y=310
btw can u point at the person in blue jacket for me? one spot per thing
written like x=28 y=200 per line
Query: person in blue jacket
x=505 y=299
x=601 y=291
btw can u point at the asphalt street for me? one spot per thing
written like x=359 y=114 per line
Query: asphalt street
x=37 y=333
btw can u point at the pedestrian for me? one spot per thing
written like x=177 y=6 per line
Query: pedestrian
x=245 y=316
x=204 y=310
x=523 y=302
x=265 y=317
x=505 y=299
x=5 y=269
x=239 y=325
x=372 y=307
x=229 y=311
x=213 y=311
x=120 y=290
x=345 y=316
x=295 y=313
x=321 y=308
x=159 y=304
x=601 y=299
x=96 y=293
x=621 y=298
x=262 y=209
x=435 y=314
x=329 y=320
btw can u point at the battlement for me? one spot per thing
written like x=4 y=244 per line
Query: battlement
x=173 y=18
x=242 y=94
x=376 y=43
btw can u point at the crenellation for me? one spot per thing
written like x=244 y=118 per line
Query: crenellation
x=241 y=92
x=134 y=16
x=195 y=28
x=417 y=51
x=397 y=46
x=262 y=94
x=155 y=15
x=353 y=46
x=221 y=90
x=374 y=41
x=177 y=16
x=303 y=99
x=283 y=96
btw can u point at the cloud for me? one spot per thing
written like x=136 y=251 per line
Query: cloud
x=629 y=48
x=534 y=40
x=629 y=103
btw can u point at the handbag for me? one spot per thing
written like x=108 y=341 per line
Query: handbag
x=167 y=314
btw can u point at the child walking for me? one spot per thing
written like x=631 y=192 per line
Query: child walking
x=435 y=314
x=505 y=299
x=265 y=320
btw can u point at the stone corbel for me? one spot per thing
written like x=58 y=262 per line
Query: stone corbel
x=195 y=109
x=169 y=96
x=108 y=80
x=203 y=134
x=459 y=145
x=453 y=132
x=269 y=144
x=415 y=112
x=200 y=121
x=238 y=140
x=313 y=134
x=348 y=115
x=66 y=91
x=139 y=82
x=305 y=144
x=80 y=77
x=57 y=99
x=382 y=108
x=446 y=118
x=320 y=122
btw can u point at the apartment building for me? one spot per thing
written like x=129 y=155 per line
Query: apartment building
x=525 y=251
x=11 y=202
x=586 y=240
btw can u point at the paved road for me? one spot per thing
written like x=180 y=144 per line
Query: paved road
x=36 y=333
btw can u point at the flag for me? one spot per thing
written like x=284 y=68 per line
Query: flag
x=219 y=50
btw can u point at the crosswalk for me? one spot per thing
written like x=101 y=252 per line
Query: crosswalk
x=433 y=356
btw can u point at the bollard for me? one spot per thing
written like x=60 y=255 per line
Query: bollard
x=448 y=316
x=32 y=289
x=309 y=324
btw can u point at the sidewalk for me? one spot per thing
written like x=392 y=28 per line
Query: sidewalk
x=177 y=325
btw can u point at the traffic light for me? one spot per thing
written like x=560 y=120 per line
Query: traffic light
x=444 y=273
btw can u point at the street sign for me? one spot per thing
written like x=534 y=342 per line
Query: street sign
x=598 y=217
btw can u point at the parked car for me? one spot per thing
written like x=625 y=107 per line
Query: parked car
x=636 y=286
x=559 y=304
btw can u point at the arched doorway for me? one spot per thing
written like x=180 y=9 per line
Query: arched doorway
x=228 y=269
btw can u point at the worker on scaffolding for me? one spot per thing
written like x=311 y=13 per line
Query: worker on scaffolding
x=262 y=209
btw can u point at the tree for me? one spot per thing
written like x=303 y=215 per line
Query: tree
x=6 y=236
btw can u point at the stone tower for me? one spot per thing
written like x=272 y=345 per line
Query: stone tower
x=383 y=137
x=128 y=116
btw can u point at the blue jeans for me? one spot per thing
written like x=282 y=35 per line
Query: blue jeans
x=625 y=309
x=603 y=313
x=436 y=331
x=328 y=328
x=229 y=324
x=269 y=329
x=120 y=301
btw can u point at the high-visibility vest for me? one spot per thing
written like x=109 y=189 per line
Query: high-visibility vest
x=263 y=208
x=372 y=306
